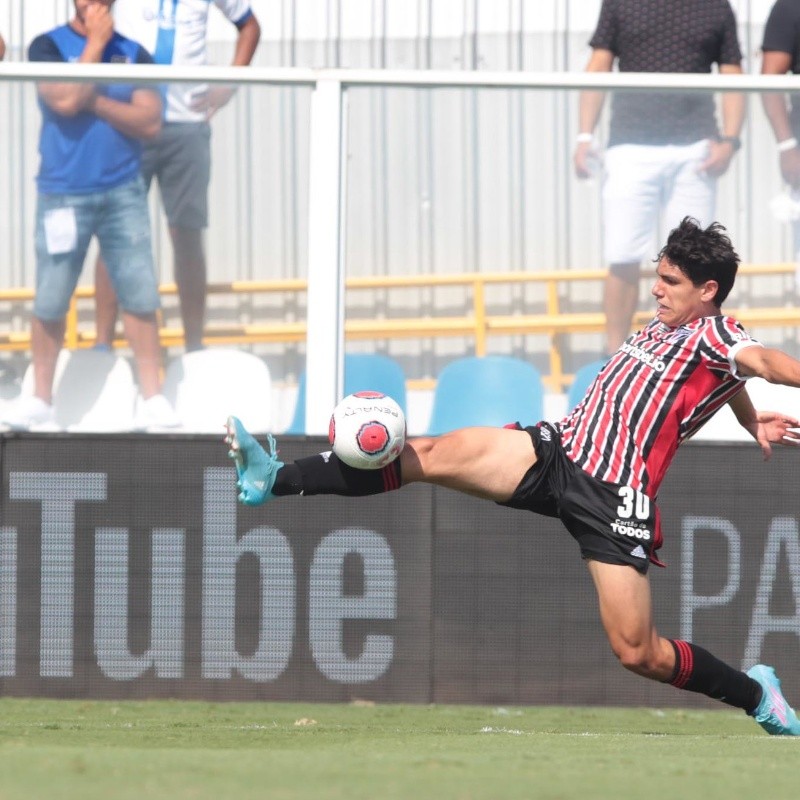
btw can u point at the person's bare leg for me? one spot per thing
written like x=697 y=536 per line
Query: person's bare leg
x=141 y=330
x=620 y=299
x=47 y=339
x=190 y=276
x=105 y=304
x=485 y=462
x=626 y=613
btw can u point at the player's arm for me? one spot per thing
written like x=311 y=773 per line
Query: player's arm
x=2 y=48
x=766 y=427
x=139 y=119
x=768 y=363
x=589 y=107
x=773 y=366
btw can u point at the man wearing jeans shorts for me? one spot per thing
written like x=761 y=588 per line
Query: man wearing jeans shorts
x=599 y=469
x=89 y=185
x=664 y=151
x=175 y=32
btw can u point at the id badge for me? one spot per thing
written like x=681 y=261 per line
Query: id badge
x=60 y=231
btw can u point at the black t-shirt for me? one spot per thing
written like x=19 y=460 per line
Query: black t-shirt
x=665 y=36
x=783 y=34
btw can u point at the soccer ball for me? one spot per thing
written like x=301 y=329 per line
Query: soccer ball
x=367 y=430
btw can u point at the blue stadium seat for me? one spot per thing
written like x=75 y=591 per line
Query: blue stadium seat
x=487 y=390
x=583 y=379
x=362 y=372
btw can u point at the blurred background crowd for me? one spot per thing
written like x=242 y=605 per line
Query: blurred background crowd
x=556 y=199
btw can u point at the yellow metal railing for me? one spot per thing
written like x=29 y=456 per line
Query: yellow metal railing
x=478 y=324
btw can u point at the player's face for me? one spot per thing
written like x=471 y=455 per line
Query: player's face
x=679 y=300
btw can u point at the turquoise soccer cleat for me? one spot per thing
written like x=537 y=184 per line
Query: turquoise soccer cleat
x=256 y=467
x=773 y=714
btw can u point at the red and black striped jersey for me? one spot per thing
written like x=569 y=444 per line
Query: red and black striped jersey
x=657 y=390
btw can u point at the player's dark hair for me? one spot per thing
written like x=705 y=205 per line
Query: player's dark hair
x=702 y=254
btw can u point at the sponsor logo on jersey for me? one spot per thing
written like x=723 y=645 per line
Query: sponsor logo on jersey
x=679 y=335
x=633 y=530
x=639 y=354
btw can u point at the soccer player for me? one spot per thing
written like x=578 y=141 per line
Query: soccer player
x=599 y=469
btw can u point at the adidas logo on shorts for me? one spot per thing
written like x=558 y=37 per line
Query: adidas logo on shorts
x=638 y=552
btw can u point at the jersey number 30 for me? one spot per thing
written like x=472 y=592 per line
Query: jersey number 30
x=633 y=502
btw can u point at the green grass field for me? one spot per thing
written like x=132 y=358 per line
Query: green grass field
x=164 y=749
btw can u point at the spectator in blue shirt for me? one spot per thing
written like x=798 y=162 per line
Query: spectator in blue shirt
x=89 y=185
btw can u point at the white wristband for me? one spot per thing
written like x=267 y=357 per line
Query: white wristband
x=584 y=138
x=787 y=144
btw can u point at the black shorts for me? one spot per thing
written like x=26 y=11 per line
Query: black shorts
x=611 y=523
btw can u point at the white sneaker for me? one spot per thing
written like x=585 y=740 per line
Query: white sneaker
x=156 y=414
x=28 y=412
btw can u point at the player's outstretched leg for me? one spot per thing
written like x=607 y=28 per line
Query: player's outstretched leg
x=485 y=462
x=773 y=714
x=256 y=467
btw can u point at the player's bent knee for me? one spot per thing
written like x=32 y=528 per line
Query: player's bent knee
x=633 y=659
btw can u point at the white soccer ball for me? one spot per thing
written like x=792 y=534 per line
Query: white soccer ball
x=367 y=430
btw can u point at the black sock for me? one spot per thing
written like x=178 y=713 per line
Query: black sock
x=326 y=474
x=696 y=670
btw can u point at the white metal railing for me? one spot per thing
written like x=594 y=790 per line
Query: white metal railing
x=150 y=73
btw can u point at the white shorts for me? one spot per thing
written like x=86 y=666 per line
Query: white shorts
x=790 y=211
x=644 y=185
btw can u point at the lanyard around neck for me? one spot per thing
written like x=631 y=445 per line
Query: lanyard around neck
x=165 y=39
x=161 y=17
